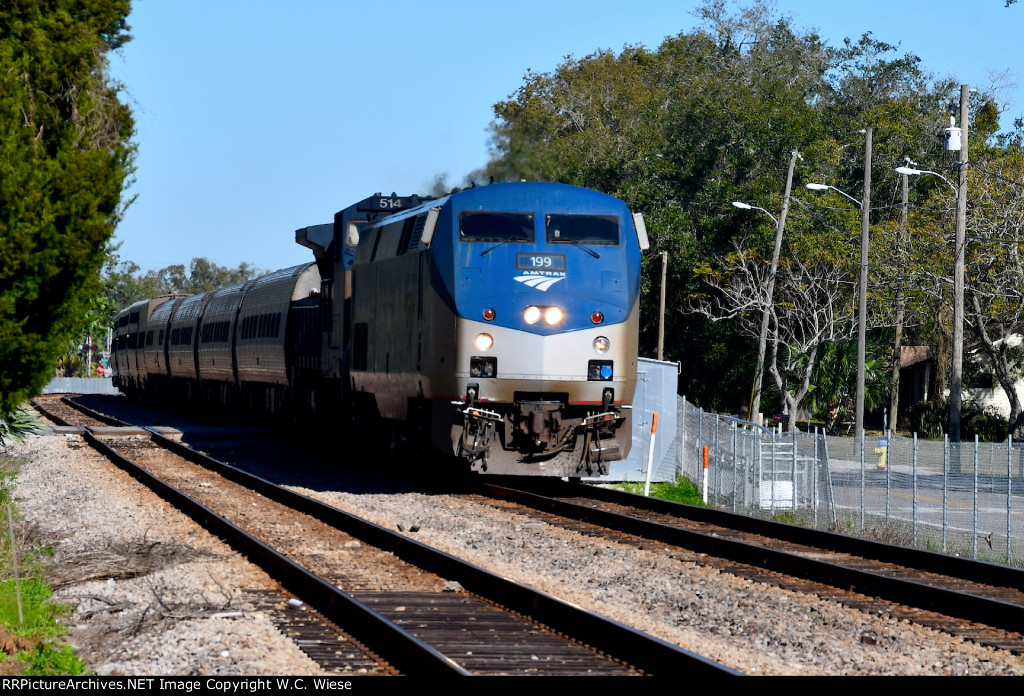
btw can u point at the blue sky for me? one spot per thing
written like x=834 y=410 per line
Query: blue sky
x=257 y=117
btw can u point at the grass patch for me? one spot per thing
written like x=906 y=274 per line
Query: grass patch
x=681 y=491
x=787 y=518
x=29 y=643
x=32 y=646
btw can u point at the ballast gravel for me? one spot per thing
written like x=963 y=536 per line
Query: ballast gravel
x=153 y=594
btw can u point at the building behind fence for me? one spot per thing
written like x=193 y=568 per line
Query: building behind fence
x=961 y=498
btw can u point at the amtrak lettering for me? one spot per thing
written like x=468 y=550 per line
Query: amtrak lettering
x=540 y=280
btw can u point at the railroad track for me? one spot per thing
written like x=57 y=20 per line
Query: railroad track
x=444 y=617
x=983 y=602
x=67 y=413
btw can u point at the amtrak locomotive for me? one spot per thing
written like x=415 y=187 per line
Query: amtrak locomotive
x=497 y=324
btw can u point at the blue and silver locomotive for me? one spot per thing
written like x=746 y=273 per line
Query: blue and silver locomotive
x=497 y=324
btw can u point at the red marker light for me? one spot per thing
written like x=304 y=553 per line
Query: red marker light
x=489 y=314
x=597 y=317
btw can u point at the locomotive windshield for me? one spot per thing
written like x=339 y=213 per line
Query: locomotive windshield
x=485 y=226
x=582 y=229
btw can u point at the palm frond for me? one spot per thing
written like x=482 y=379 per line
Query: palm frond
x=17 y=425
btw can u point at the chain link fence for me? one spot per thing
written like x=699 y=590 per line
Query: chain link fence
x=966 y=498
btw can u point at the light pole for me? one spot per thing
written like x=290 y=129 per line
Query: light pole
x=755 y=391
x=862 y=309
x=957 y=370
x=780 y=225
x=959 y=249
x=661 y=314
x=901 y=305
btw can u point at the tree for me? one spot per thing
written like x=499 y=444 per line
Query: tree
x=808 y=311
x=834 y=383
x=125 y=283
x=65 y=157
x=708 y=118
x=995 y=271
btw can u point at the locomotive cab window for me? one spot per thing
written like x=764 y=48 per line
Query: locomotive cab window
x=485 y=226
x=582 y=229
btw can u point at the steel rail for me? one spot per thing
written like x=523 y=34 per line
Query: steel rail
x=645 y=652
x=993 y=612
x=415 y=658
x=929 y=561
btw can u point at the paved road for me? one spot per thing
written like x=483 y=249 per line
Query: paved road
x=922 y=503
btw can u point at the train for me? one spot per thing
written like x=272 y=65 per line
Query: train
x=497 y=325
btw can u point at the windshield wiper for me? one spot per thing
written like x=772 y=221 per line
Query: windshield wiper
x=504 y=241
x=588 y=250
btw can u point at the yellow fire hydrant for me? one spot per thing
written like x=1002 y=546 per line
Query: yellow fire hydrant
x=882 y=450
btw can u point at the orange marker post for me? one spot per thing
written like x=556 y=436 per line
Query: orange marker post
x=650 y=456
x=705 y=475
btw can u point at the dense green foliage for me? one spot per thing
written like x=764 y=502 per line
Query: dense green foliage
x=65 y=156
x=711 y=117
x=125 y=283
x=835 y=383
x=930 y=419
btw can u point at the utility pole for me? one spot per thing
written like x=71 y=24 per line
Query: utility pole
x=956 y=371
x=661 y=316
x=862 y=310
x=755 y=402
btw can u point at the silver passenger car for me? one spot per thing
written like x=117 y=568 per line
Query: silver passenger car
x=262 y=333
x=215 y=347
x=155 y=352
x=182 y=339
x=130 y=331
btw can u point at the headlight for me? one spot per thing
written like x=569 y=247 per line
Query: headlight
x=483 y=342
x=552 y=315
x=602 y=344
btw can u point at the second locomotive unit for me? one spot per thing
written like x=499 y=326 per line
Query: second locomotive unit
x=498 y=324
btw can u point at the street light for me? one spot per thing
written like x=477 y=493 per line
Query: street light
x=960 y=245
x=910 y=171
x=826 y=187
x=755 y=392
x=746 y=206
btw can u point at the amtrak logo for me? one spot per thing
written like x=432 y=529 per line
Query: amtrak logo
x=540 y=281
